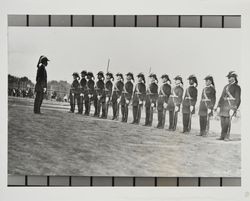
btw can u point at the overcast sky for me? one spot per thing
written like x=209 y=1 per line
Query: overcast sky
x=175 y=51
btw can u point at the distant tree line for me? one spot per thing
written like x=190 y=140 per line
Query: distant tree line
x=24 y=87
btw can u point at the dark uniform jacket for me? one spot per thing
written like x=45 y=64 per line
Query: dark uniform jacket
x=127 y=92
x=75 y=87
x=117 y=90
x=99 y=89
x=208 y=98
x=139 y=93
x=230 y=99
x=90 y=88
x=164 y=93
x=41 y=79
x=175 y=99
x=190 y=99
x=108 y=88
x=151 y=94
x=83 y=85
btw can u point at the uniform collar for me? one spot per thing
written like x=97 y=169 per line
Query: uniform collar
x=232 y=83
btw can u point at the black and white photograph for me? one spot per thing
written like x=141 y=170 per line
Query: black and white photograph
x=112 y=101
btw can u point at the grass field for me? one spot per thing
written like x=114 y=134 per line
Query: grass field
x=61 y=143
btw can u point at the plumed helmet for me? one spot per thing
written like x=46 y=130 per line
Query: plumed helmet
x=90 y=74
x=100 y=73
x=166 y=76
x=178 y=77
x=131 y=75
x=154 y=76
x=43 y=59
x=75 y=74
x=210 y=77
x=142 y=76
x=119 y=74
x=193 y=77
x=84 y=72
x=110 y=75
x=233 y=74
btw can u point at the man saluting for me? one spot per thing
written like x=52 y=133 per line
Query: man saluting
x=228 y=104
x=41 y=83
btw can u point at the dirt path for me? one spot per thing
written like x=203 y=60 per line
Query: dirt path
x=60 y=143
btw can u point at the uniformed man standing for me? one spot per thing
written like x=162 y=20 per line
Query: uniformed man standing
x=208 y=98
x=75 y=93
x=228 y=104
x=162 y=102
x=89 y=92
x=174 y=102
x=108 y=91
x=41 y=83
x=99 y=97
x=116 y=95
x=151 y=98
x=83 y=85
x=127 y=96
x=138 y=98
x=189 y=102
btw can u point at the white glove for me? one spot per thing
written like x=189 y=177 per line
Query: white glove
x=231 y=112
x=107 y=99
x=98 y=97
x=89 y=95
x=73 y=94
x=165 y=105
x=209 y=111
x=81 y=94
x=152 y=104
x=176 y=108
x=127 y=101
x=44 y=90
x=118 y=100
x=217 y=110
x=140 y=102
x=191 y=108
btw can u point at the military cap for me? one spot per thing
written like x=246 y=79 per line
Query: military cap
x=110 y=75
x=43 y=58
x=90 y=74
x=165 y=76
x=75 y=74
x=178 y=77
x=154 y=76
x=131 y=75
x=210 y=77
x=232 y=74
x=142 y=76
x=193 y=77
x=84 y=72
x=119 y=74
x=100 y=73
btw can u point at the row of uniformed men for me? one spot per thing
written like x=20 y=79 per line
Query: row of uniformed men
x=103 y=93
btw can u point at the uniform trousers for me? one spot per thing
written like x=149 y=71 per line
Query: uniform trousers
x=225 y=127
x=38 y=101
x=173 y=118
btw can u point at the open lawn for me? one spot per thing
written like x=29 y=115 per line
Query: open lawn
x=61 y=143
